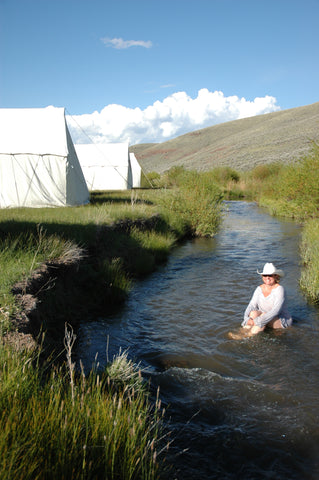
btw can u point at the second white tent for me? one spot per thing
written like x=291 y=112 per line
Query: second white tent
x=108 y=166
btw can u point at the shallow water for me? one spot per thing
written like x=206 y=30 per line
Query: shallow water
x=243 y=409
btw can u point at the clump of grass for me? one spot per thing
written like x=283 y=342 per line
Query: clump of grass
x=157 y=243
x=124 y=373
x=115 y=279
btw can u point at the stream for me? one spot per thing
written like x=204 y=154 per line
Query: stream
x=236 y=409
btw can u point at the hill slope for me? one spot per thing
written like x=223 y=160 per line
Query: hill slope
x=241 y=144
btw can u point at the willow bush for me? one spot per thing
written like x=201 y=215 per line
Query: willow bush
x=196 y=201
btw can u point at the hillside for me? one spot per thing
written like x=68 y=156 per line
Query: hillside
x=241 y=144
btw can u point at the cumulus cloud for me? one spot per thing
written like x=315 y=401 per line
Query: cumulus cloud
x=121 y=44
x=175 y=115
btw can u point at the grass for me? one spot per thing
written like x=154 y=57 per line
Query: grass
x=309 y=251
x=103 y=427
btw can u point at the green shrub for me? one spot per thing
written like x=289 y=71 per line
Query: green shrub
x=265 y=171
x=197 y=201
x=151 y=179
x=174 y=176
x=224 y=175
x=294 y=191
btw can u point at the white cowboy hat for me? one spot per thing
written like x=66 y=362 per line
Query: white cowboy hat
x=270 y=269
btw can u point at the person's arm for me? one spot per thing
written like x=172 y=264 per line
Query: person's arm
x=279 y=298
x=253 y=305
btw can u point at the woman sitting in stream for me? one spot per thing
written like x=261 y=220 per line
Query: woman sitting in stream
x=267 y=305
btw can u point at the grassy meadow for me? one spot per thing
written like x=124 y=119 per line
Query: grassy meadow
x=56 y=422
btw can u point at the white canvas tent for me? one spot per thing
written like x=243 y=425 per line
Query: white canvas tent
x=38 y=163
x=136 y=171
x=107 y=166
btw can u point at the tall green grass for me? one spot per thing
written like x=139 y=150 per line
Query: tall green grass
x=309 y=251
x=102 y=425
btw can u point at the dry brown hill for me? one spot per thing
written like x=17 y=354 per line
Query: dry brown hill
x=241 y=144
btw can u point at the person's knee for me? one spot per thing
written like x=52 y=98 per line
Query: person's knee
x=275 y=323
x=254 y=314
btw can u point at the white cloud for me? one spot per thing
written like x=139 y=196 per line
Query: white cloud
x=121 y=44
x=168 y=85
x=175 y=115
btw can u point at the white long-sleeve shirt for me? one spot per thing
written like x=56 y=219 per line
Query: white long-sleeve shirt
x=272 y=306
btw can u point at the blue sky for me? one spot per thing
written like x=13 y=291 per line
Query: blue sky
x=149 y=70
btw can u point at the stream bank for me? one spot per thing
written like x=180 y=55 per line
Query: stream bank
x=69 y=290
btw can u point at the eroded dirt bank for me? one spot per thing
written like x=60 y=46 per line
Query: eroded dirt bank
x=70 y=290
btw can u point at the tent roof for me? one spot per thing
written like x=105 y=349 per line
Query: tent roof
x=102 y=154
x=38 y=131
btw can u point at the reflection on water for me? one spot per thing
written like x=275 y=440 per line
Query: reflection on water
x=242 y=409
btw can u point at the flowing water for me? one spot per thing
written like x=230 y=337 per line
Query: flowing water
x=245 y=409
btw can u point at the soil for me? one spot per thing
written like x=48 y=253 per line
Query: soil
x=22 y=335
